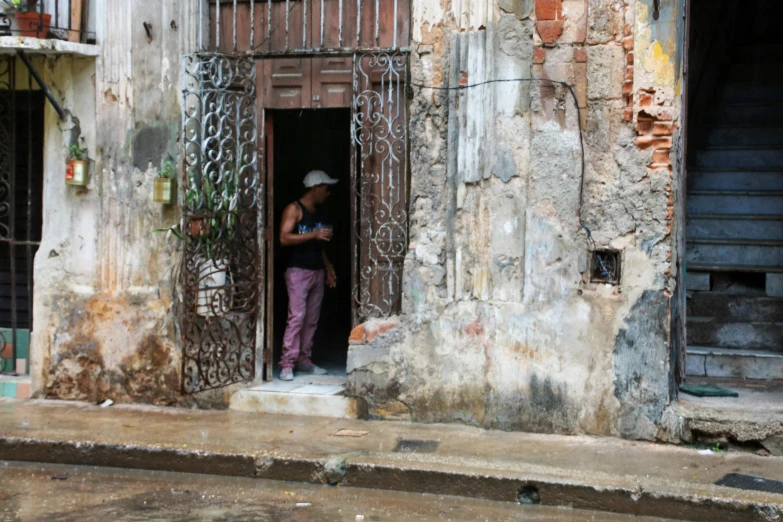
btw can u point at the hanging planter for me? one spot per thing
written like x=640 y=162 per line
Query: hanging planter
x=77 y=169
x=164 y=189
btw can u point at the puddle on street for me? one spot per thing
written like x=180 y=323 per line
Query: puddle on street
x=55 y=493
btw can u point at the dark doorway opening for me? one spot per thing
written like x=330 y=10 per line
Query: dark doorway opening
x=734 y=205
x=21 y=219
x=306 y=140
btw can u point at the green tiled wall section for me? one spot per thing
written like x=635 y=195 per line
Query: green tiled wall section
x=18 y=387
x=22 y=346
x=8 y=388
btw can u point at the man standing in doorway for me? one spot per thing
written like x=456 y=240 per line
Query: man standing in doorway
x=302 y=230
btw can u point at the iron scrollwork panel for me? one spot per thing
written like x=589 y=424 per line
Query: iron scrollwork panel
x=221 y=267
x=380 y=137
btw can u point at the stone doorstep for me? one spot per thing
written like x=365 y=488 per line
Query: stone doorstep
x=729 y=363
x=320 y=400
x=425 y=474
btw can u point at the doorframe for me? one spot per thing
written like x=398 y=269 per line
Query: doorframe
x=22 y=99
x=267 y=355
x=269 y=234
x=678 y=333
x=266 y=119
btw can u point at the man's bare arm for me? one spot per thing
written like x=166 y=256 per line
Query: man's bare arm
x=331 y=275
x=291 y=215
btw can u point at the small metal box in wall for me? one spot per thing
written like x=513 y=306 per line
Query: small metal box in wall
x=605 y=267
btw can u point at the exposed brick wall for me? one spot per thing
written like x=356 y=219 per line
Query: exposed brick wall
x=655 y=129
x=549 y=20
x=654 y=120
x=628 y=45
x=560 y=53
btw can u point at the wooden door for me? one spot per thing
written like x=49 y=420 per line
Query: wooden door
x=306 y=83
x=332 y=80
x=285 y=83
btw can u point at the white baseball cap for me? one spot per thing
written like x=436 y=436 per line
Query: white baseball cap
x=318 y=177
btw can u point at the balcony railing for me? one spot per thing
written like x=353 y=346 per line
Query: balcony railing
x=67 y=20
x=269 y=27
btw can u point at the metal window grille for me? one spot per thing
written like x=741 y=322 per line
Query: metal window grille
x=21 y=185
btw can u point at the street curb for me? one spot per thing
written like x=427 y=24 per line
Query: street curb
x=126 y=456
x=696 y=503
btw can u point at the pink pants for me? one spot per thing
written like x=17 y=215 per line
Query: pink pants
x=305 y=293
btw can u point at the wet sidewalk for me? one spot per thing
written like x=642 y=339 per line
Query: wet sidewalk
x=582 y=472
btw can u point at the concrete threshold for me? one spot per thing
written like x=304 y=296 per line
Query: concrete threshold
x=580 y=472
x=756 y=415
x=322 y=396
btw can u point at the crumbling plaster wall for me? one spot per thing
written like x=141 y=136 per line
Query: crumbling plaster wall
x=500 y=325
x=103 y=314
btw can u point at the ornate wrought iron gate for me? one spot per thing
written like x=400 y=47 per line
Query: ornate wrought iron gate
x=222 y=210
x=381 y=182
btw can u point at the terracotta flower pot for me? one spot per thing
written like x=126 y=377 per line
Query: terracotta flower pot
x=30 y=23
x=76 y=173
x=199 y=227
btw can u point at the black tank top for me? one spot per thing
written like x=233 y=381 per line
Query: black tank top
x=307 y=255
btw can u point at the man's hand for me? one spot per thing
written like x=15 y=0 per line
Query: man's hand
x=323 y=234
x=331 y=277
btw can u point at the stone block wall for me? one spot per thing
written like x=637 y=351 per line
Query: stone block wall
x=501 y=325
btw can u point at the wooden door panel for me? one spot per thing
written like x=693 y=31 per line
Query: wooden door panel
x=281 y=25
x=287 y=83
x=289 y=20
x=329 y=35
x=243 y=27
x=332 y=82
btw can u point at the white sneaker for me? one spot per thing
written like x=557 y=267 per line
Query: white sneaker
x=287 y=374
x=309 y=367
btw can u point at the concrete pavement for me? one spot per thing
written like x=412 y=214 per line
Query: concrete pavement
x=591 y=473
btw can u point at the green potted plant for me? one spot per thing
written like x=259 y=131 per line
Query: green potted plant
x=213 y=205
x=212 y=208
x=31 y=23
x=164 y=189
x=76 y=171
